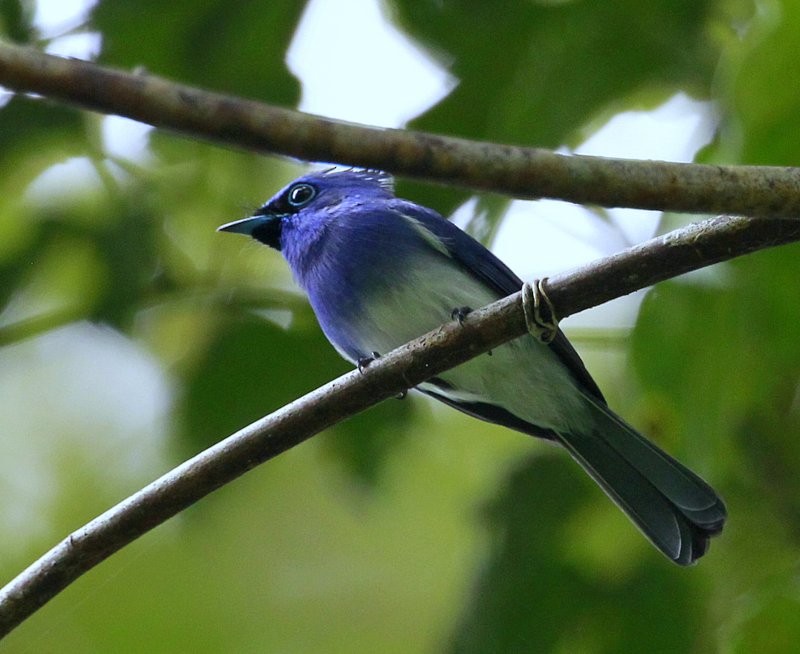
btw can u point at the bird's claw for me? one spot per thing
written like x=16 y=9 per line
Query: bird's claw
x=540 y=316
x=460 y=313
x=363 y=362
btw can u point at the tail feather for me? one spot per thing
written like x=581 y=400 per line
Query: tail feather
x=672 y=506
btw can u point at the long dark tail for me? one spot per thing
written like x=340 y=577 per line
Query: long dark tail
x=674 y=508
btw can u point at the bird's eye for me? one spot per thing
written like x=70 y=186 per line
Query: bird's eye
x=300 y=195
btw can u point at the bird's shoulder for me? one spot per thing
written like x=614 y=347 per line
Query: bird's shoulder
x=449 y=240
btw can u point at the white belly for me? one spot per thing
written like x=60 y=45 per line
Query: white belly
x=524 y=376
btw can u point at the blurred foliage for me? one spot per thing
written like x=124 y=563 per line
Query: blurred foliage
x=16 y=20
x=580 y=594
x=232 y=47
x=132 y=335
x=536 y=73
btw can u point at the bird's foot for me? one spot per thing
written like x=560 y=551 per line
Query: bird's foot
x=460 y=313
x=363 y=362
x=540 y=316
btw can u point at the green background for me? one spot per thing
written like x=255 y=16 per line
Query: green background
x=409 y=528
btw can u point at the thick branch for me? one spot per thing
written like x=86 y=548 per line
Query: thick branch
x=520 y=172
x=661 y=258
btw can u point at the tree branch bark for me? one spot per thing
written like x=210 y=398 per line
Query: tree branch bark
x=517 y=171
x=678 y=252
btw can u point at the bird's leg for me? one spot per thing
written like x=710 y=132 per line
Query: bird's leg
x=540 y=316
x=459 y=313
x=363 y=362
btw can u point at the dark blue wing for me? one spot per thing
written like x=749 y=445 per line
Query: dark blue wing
x=479 y=262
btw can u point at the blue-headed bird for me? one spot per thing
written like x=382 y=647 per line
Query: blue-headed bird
x=380 y=271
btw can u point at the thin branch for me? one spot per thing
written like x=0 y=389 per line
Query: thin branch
x=520 y=172
x=678 y=252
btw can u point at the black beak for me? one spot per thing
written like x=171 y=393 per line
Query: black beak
x=265 y=228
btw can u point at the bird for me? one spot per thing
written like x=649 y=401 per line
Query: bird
x=380 y=271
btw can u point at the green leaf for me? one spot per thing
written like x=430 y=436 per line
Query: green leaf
x=15 y=20
x=535 y=73
x=28 y=125
x=230 y=47
x=765 y=112
x=252 y=367
x=768 y=624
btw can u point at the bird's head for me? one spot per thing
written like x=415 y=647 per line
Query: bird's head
x=305 y=206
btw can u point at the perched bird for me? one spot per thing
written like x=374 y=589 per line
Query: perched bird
x=380 y=271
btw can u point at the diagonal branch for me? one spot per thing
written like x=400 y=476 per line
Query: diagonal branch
x=690 y=248
x=520 y=172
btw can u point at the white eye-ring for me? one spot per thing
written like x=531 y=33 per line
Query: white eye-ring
x=300 y=195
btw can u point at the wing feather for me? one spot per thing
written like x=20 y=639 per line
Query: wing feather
x=478 y=261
